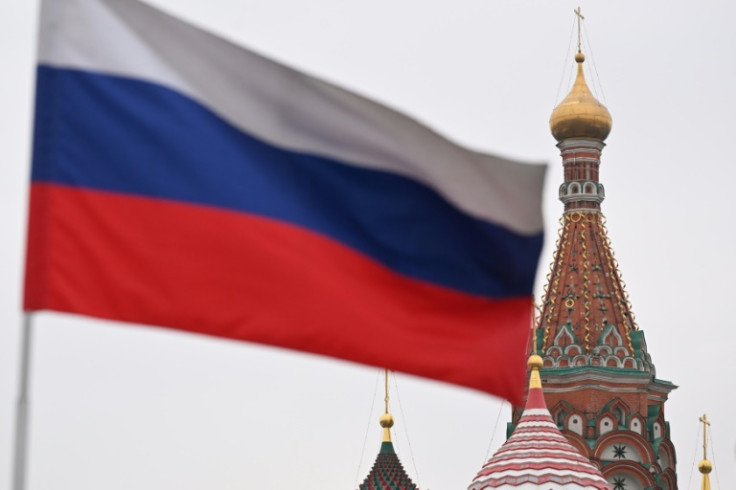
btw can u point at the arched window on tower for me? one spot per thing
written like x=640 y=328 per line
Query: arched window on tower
x=565 y=337
x=618 y=412
x=657 y=431
x=606 y=424
x=560 y=418
x=575 y=424
x=611 y=337
x=637 y=425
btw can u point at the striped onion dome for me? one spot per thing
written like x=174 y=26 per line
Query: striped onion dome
x=537 y=455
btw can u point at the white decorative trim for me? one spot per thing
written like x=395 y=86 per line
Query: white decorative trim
x=536 y=411
x=543 y=471
x=580 y=143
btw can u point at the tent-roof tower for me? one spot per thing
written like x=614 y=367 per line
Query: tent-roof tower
x=600 y=382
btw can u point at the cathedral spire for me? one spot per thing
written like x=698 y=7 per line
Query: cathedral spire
x=600 y=383
x=585 y=303
x=705 y=466
x=580 y=124
x=387 y=472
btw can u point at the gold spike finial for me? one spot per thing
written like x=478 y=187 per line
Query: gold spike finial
x=386 y=420
x=535 y=362
x=705 y=466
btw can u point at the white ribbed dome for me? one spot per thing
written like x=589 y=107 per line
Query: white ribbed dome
x=537 y=455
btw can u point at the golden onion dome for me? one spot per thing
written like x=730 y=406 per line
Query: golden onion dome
x=580 y=115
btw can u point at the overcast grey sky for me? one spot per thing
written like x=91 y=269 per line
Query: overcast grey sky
x=119 y=407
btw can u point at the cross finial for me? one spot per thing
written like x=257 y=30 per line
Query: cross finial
x=580 y=19
x=706 y=423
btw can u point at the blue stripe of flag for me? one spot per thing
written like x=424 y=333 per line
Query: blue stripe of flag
x=122 y=135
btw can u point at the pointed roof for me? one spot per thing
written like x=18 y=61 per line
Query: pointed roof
x=387 y=472
x=586 y=317
x=537 y=454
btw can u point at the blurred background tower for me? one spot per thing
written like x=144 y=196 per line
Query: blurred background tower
x=600 y=382
x=387 y=472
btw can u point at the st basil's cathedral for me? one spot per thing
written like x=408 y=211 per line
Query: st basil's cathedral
x=599 y=380
x=594 y=416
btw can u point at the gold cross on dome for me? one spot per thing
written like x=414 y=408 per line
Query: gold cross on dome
x=706 y=423
x=580 y=18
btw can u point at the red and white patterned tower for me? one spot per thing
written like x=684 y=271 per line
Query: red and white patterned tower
x=600 y=383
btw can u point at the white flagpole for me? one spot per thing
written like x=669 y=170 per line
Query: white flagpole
x=21 y=415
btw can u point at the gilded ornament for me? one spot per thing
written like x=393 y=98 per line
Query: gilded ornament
x=580 y=114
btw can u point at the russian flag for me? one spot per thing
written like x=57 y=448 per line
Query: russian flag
x=182 y=181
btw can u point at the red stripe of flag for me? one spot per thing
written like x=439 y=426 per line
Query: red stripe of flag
x=238 y=276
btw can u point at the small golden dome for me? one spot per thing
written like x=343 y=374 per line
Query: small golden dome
x=534 y=362
x=705 y=466
x=387 y=421
x=580 y=115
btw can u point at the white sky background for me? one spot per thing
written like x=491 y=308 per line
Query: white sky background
x=121 y=407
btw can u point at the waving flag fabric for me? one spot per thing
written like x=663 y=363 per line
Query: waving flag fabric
x=182 y=181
